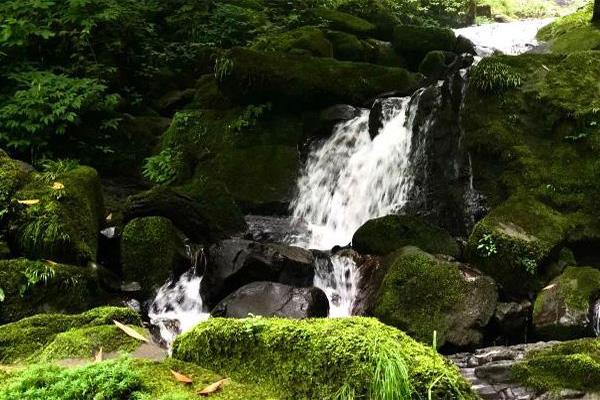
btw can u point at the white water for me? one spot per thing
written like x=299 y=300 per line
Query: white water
x=177 y=306
x=347 y=181
x=510 y=38
x=596 y=317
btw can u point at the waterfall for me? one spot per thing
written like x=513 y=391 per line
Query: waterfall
x=177 y=306
x=596 y=317
x=348 y=180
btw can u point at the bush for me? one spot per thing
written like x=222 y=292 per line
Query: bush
x=492 y=76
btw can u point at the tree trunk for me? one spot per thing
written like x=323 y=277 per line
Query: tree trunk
x=596 y=16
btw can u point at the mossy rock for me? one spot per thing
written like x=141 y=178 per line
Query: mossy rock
x=21 y=340
x=514 y=241
x=31 y=287
x=152 y=251
x=348 y=47
x=123 y=378
x=574 y=32
x=344 y=22
x=571 y=365
x=436 y=63
x=319 y=358
x=414 y=42
x=562 y=309
x=421 y=294
x=249 y=76
x=382 y=236
x=208 y=95
x=12 y=177
x=309 y=40
x=59 y=220
x=383 y=53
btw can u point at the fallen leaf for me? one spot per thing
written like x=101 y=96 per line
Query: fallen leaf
x=28 y=202
x=58 y=186
x=549 y=287
x=130 y=331
x=99 y=356
x=546 y=68
x=181 y=378
x=213 y=387
x=109 y=217
x=50 y=262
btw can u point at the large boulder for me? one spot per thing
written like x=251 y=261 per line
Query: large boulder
x=319 y=358
x=342 y=21
x=382 y=236
x=151 y=251
x=269 y=299
x=562 y=310
x=20 y=340
x=12 y=177
x=235 y=263
x=58 y=215
x=254 y=77
x=414 y=42
x=514 y=242
x=422 y=294
x=31 y=287
x=307 y=40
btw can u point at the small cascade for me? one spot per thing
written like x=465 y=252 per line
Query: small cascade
x=338 y=277
x=596 y=317
x=177 y=306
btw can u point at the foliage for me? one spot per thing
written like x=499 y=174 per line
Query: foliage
x=523 y=9
x=53 y=169
x=492 y=76
x=574 y=32
x=48 y=105
x=164 y=167
x=249 y=117
x=486 y=245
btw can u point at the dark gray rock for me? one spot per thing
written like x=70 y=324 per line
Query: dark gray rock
x=512 y=319
x=235 y=263
x=338 y=113
x=270 y=299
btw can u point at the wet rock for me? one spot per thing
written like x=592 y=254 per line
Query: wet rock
x=562 y=309
x=339 y=113
x=235 y=263
x=512 y=319
x=269 y=299
x=414 y=42
x=437 y=63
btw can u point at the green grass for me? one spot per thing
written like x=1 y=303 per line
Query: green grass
x=572 y=33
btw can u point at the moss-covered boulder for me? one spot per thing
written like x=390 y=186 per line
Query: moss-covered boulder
x=562 y=309
x=151 y=251
x=306 y=40
x=514 y=240
x=421 y=294
x=414 y=42
x=12 y=177
x=20 y=341
x=58 y=215
x=344 y=22
x=571 y=365
x=574 y=32
x=321 y=358
x=382 y=236
x=254 y=77
x=31 y=287
x=436 y=63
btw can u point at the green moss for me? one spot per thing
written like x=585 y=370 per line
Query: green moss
x=561 y=309
x=151 y=250
x=19 y=341
x=32 y=287
x=11 y=179
x=382 y=236
x=418 y=294
x=64 y=223
x=514 y=240
x=414 y=42
x=348 y=47
x=573 y=32
x=307 y=40
x=570 y=365
x=320 y=358
x=436 y=63
x=345 y=22
x=250 y=76
x=208 y=94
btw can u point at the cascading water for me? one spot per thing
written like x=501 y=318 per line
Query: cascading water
x=177 y=307
x=596 y=317
x=348 y=180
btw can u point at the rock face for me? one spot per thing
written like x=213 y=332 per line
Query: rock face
x=286 y=78
x=235 y=263
x=513 y=243
x=383 y=235
x=269 y=299
x=421 y=294
x=151 y=250
x=414 y=42
x=562 y=309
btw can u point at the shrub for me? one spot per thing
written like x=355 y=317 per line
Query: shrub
x=164 y=167
x=492 y=76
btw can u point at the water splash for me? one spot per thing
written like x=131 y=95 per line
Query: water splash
x=510 y=38
x=596 y=317
x=178 y=307
x=338 y=277
x=351 y=178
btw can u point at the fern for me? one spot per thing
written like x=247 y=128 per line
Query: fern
x=492 y=76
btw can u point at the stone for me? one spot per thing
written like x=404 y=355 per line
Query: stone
x=270 y=299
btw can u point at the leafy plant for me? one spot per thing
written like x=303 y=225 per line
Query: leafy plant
x=249 y=117
x=223 y=67
x=529 y=264
x=42 y=273
x=53 y=169
x=492 y=76
x=42 y=231
x=164 y=167
x=45 y=106
x=486 y=246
